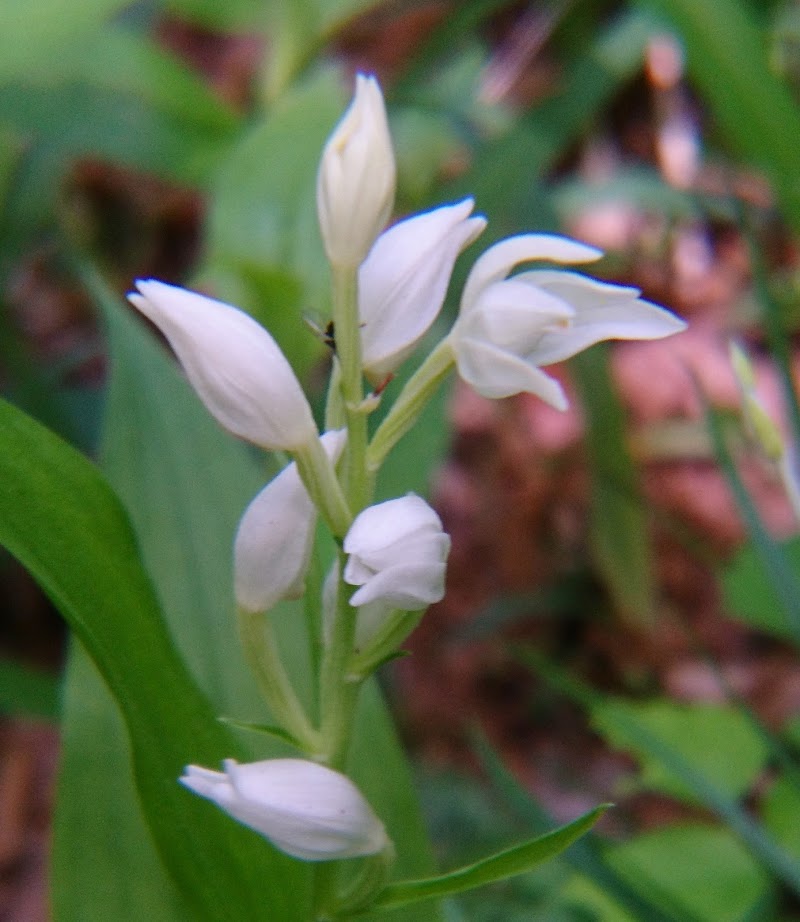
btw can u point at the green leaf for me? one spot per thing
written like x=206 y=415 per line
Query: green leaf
x=518 y=859
x=640 y=897
x=702 y=867
x=701 y=871
x=716 y=740
x=620 y=539
x=728 y=63
x=61 y=520
x=104 y=864
x=781 y=812
x=752 y=596
x=28 y=691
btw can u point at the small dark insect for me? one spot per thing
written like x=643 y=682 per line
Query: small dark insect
x=324 y=333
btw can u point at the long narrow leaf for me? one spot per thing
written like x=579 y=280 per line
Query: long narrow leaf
x=644 y=902
x=515 y=860
x=61 y=520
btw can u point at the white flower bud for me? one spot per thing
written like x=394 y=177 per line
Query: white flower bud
x=274 y=539
x=306 y=810
x=403 y=282
x=397 y=554
x=356 y=179
x=509 y=327
x=234 y=365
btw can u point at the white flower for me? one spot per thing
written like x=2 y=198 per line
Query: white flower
x=306 y=810
x=397 y=553
x=273 y=543
x=236 y=367
x=403 y=281
x=509 y=327
x=356 y=179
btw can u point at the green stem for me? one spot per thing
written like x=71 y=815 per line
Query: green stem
x=338 y=689
x=411 y=401
x=348 y=351
x=262 y=656
x=319 y=477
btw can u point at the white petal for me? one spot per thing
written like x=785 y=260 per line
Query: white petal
x=500 y=259
x=496 y=373
x=273 y=543
x=306 y=810
x=236 y=367
x=603 y=311
x=356 y=179
x=403 y=282
x=387 y=523
x=512 y=315
x=409 y=587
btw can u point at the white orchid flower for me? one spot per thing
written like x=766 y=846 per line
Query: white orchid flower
x=356 y=179
x=306 y=810
x=234 y=365
x=509 y=327
x=403 y=282
x=275 y=535
x=397 y=555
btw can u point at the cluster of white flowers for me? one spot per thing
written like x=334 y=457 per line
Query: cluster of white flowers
x=393 y=553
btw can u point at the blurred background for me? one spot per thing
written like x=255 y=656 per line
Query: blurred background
x=622 y=618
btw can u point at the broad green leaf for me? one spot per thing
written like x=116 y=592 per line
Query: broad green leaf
x=702 y=870
x=716 y=740
x=28 y=691
x=104 y=864
x=781 y=812
x=728 y=63
x=620 y=540
x=702 y=867
x=61 y=520
x=752 y=596
x=32 y=34
x=515 y=860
